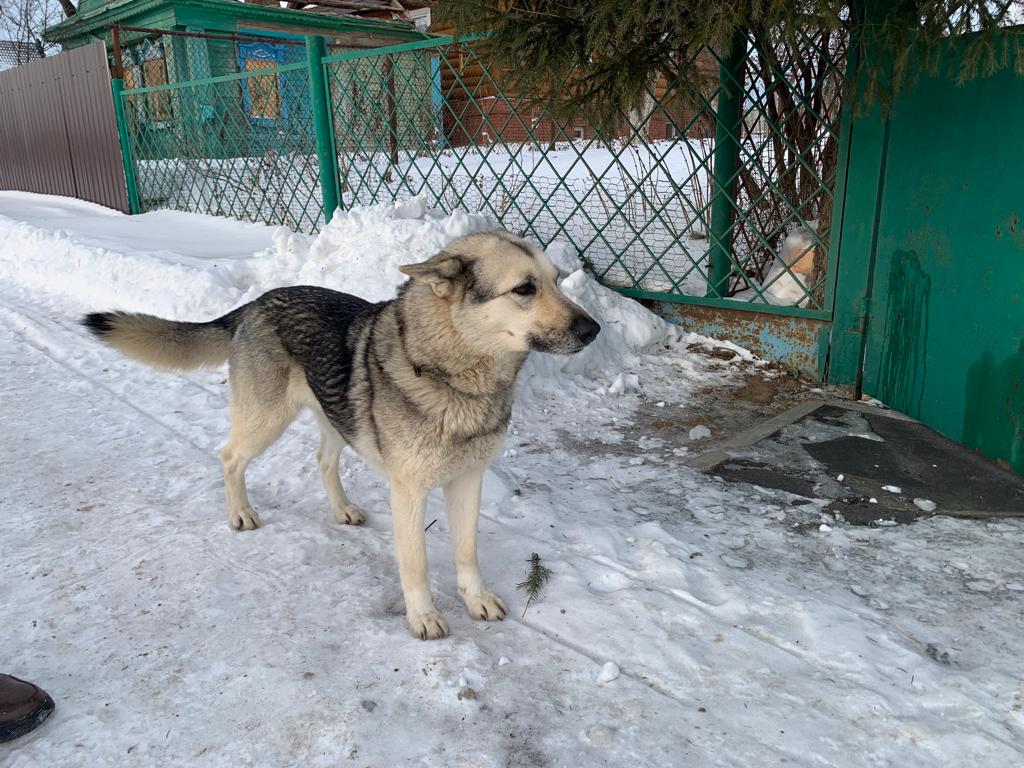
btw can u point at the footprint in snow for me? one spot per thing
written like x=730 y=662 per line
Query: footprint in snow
x=735 y=562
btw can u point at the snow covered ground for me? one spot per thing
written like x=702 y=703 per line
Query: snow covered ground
x=741 y=635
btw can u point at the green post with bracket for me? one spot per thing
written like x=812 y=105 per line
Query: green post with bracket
x=316 y=50
x=117 y=86
x=726 y=163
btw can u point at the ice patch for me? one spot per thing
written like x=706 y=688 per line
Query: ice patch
x=624 y=382
x=610 y=671
x=699 y=432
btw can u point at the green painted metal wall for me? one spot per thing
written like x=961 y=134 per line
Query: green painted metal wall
x=937 y=268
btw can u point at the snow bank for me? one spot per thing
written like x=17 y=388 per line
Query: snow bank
x=627 y=331
x=43 y=255
x=359 y=252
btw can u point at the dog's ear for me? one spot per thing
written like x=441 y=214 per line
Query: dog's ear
x=442 y=272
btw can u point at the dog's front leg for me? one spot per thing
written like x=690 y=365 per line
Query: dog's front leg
x=408 y=505
x=463 y=497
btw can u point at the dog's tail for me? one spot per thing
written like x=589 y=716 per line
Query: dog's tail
x=169 y=344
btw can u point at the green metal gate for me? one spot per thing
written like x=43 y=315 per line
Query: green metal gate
x=933 y=261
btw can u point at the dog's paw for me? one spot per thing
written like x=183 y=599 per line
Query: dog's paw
x=485 y=605
x=244 y=519
x=350 y=514
x=428 y=626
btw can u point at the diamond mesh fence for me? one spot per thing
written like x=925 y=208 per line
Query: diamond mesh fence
x=636 y=203
x=222 y=124
x=230 y=130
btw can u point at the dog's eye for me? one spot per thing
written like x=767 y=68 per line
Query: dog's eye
x=525 y=289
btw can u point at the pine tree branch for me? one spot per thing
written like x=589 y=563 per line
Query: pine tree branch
x=598 y=57
x=535 y=580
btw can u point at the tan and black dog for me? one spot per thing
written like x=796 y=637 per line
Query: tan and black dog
x=421 y=387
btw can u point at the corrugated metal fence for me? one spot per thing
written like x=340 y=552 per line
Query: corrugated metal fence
x=58 y=131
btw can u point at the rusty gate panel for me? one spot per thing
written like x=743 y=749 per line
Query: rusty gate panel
x=58 y=133
x=797 y=343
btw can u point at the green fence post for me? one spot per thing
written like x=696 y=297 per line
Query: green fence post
x=725 y=164
x=858 y=195
x=117 y=86
x=316 y=50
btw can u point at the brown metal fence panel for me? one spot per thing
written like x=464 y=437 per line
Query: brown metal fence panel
x=58 y=130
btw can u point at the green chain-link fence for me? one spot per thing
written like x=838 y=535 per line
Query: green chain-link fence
x=643 y=205
x=728 y=202
x=222 y=124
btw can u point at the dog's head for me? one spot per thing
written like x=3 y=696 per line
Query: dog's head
x=504 y=295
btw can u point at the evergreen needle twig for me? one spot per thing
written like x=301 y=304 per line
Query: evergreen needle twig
x=535 y=580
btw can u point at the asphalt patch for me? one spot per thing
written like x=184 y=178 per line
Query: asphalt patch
x=871 y=468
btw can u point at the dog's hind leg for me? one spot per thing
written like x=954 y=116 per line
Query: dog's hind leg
x=260 y=412
x=328 y=456
x=462 y=495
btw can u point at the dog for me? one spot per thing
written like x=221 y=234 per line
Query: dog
x=421 y=387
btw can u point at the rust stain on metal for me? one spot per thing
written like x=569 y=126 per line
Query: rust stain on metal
x=794 y=342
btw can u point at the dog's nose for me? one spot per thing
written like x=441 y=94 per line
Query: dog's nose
x=585 y=329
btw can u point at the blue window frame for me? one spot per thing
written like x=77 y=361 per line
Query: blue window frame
x=262 y=95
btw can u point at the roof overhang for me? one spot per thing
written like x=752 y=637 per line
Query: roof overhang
x=96 y=17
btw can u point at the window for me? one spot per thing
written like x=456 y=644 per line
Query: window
x=577 y=133
x=670 y=130
x=145 y=66
x=262 y=93
x=154 y=72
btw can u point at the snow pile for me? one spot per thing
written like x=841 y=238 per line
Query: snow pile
x=205 y=266
x=627 y=331
x=361 y=250
x=71 y=249
x=563 y=255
